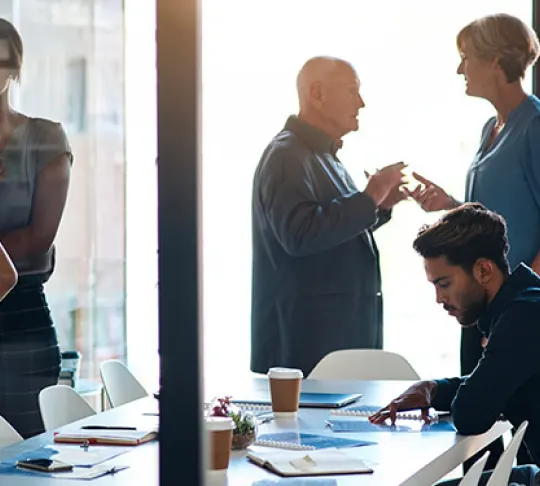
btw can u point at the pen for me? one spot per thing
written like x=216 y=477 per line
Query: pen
x=107 y=427
x=265 y=419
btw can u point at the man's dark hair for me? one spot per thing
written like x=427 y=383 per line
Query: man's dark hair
x=465 y=234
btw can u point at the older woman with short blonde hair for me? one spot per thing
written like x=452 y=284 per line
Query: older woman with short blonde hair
x=496 y=50
x=504 y=38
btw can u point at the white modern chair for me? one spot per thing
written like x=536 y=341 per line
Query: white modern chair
x=8 y=435
x=61 y=405
x=120 y=384
x=363 y=364
x=472 y=477
x=502 y=470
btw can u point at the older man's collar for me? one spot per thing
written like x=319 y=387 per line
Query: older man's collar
x=314 y=138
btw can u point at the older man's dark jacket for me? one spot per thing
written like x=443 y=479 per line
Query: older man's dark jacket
x=316 y=277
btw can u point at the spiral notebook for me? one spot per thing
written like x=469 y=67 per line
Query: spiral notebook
x=254 y=408
x=306 y=442
x=312 y=400
x=362 y=424
x=367 y=410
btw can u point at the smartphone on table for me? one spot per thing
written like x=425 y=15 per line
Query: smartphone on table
x=44 y=465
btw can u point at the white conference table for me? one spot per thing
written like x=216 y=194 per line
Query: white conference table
x=400 y=458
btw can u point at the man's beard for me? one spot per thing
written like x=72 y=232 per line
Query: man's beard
x=473 y=310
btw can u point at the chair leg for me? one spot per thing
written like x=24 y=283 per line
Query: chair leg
x=523 y=475
x=523 y=456
x=496 y=448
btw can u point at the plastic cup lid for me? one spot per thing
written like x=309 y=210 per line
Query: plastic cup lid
x=219 y=423
x=285 y=373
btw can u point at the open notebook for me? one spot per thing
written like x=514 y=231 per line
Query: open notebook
x=111 y=437
x=308 y=463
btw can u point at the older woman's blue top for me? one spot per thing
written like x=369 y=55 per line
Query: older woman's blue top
x=505 y=177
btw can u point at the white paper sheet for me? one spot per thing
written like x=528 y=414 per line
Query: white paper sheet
x=78 y=456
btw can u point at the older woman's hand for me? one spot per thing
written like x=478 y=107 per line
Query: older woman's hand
x=430 y=196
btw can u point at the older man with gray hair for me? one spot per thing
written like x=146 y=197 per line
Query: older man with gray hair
x=316 y=276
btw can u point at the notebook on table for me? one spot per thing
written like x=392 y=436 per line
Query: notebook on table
x=307 y=400
x=362 y=424
x=312 y=463
x=355 y=419
x=110 y=436
x=307 y=442
x=368 y=410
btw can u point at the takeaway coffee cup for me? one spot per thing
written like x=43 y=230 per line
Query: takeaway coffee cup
x=285 y=390
x=220 y=431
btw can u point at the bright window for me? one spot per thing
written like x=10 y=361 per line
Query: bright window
x=417 y=111
x=73 y=73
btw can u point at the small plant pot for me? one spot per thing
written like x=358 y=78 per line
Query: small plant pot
x=241 y=441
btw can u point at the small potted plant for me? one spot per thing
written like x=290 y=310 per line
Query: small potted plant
x=245 y=431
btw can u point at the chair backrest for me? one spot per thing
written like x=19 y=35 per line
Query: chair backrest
x=363 y=364
x=502 y=470
x=120 y=384
x=61 y=405
x=8 y=435
x=475 y=471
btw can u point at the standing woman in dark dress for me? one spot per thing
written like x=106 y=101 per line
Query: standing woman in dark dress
x=35 y=164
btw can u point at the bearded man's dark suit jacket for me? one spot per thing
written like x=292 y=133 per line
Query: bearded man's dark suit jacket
x=316 y=279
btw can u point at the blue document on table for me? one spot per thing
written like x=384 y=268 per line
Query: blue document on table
x=360 y=424
x=9 y=466
x=303 y=441
x=74 y=455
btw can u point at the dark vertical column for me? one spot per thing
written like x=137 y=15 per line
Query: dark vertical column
x=178 y=68
x=536 y=27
